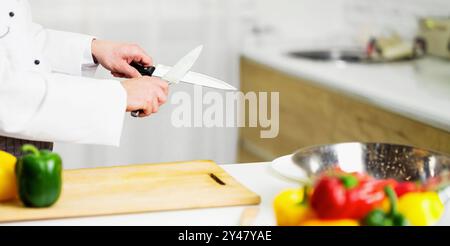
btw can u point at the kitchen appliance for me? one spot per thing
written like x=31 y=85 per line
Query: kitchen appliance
x=380 y=160
x=435 y=33
x=138 y=188
x=180 y=73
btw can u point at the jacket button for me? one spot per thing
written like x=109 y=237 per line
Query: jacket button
x=11 y=14
x=37 y=62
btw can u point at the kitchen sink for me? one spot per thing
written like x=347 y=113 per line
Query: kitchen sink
x=347 y=55
x=351 y=55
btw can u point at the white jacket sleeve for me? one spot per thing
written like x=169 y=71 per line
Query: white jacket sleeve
x=67 y=52
x=58 y=107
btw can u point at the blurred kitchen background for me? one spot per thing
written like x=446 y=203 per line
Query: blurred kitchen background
x=245 y=40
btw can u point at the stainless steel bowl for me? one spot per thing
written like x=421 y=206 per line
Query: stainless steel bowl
x=381 y=160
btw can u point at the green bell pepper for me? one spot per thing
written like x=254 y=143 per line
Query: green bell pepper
x=39 y=177
x=378 y=217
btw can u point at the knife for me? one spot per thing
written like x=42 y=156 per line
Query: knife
x=179 y=73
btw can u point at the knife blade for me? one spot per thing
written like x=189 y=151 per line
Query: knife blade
x=173 y=75
x=180 y=69
x=195 y=79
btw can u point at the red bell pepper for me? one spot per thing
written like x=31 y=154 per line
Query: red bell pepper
x=329 y=198
x=347 y=196
x=402 y=188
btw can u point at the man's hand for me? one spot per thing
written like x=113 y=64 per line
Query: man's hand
x=116 y=57
x=146 y=93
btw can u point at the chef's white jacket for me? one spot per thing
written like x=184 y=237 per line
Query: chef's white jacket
x=45 y=93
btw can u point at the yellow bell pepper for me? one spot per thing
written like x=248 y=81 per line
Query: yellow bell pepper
x=8 y=189
x=291 y=208
x=318 y=222
x=421 y=208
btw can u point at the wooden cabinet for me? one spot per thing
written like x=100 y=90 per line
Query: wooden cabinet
x=311 y=114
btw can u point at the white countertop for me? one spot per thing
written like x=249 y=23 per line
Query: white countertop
x=256 y=176
x=417 y=89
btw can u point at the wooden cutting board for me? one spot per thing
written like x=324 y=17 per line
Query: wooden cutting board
x=138 y=188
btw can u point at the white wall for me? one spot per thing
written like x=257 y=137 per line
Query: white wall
x=306 y=19
x=344 y=20
x=381 y=16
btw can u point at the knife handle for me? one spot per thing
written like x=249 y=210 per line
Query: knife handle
x=144 y=71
